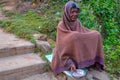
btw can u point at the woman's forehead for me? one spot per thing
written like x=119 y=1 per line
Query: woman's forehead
x=71 y=5
x=74 y=9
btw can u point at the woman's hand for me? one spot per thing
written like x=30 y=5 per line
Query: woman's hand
x=73 y=67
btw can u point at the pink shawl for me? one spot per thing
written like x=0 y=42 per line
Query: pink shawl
x=75 y=44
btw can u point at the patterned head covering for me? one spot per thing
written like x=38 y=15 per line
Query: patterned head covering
x=68 y=6
x=69 y=25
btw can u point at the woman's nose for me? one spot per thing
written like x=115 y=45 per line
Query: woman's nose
x=75 y=13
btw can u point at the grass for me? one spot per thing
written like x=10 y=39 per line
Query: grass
x=25 y=25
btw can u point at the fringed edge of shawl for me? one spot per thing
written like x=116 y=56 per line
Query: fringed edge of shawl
x=82 y=64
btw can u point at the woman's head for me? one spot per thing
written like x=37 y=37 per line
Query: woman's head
x=70 y=15
x=71 y=11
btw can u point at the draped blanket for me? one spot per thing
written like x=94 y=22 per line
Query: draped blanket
x=76 y=45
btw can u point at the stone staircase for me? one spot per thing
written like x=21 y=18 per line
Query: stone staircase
x=17 y=58
x=19 y=62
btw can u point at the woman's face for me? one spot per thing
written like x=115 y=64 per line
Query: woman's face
x=74 y=14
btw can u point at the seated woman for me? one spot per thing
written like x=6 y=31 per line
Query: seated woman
x=76 y=46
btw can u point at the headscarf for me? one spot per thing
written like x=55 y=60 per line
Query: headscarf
x=69 y=25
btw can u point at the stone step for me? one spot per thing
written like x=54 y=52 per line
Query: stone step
x=21 y=66
x=11 y=45
x=91 y=75
x=44 y=76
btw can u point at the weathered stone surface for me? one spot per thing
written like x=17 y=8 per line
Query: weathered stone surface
x=44 y=76
x=83 y=78
x=115 y=79
x=11 y=45
x=91 y=75
x=21 y=66
x=41 y=37
x=43 y=46
x=9 y=4
x=61 y=77
x=97 y=75
x=23 y=7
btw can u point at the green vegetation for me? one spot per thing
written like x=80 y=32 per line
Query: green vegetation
x=101 y=15
x=23 y=25
x=2 y=3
